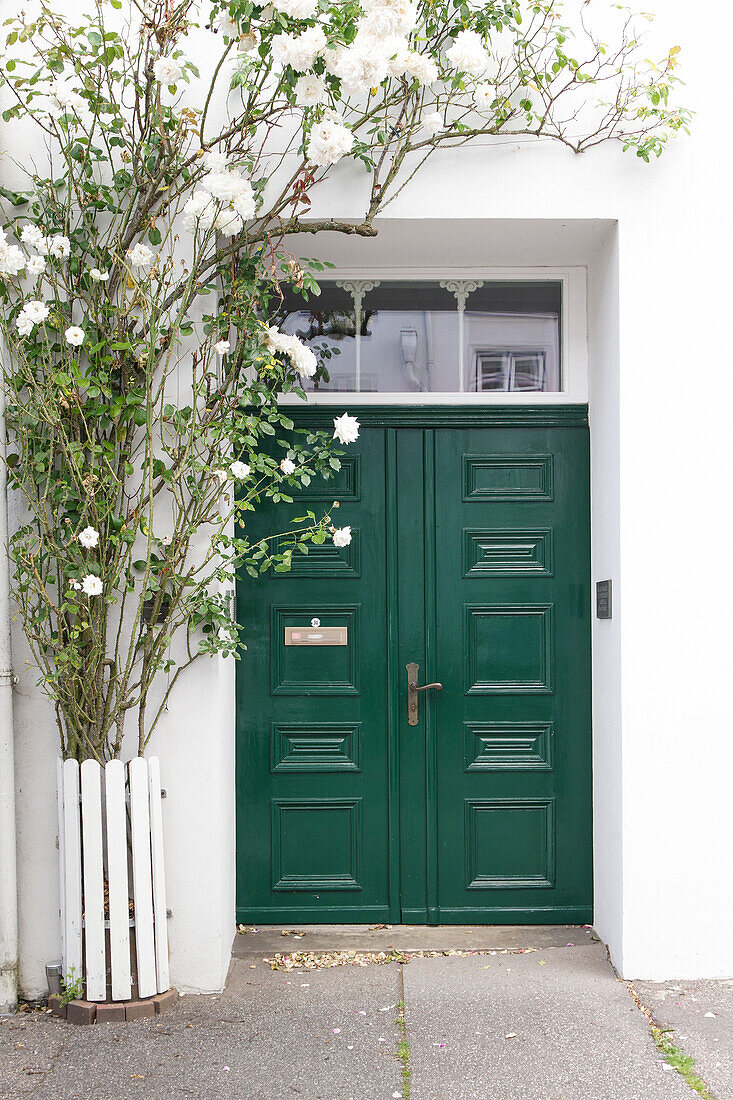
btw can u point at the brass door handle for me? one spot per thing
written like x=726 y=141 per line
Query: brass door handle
x=413 y=688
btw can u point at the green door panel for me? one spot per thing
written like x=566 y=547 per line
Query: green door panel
x=470 y=557
x=313 y=804
x=512 y=615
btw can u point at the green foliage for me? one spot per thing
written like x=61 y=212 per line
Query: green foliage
x=404 y=1051
x=683 y=1063
x=72 y=987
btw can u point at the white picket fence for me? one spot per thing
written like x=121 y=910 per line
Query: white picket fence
x=102 y=820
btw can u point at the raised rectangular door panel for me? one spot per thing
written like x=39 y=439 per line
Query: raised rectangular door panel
x=317 y=669
x=507 y=477
x=512 y=746
x=510 y=843
x=508 y=648
x=517 y=552
x=325 y=560
x=316 y=844
x=316 y=746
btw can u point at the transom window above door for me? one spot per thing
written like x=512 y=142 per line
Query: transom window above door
x=448 y=336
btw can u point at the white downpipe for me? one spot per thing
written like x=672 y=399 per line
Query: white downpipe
x=8 y=858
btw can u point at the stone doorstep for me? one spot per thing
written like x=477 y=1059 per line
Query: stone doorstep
x=89 y=1012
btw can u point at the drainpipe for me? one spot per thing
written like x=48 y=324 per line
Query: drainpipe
x=8 y=866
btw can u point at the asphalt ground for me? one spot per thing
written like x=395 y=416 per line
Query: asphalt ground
x=473 y=1015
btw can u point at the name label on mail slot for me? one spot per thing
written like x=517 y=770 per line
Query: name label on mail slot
x=324 y=635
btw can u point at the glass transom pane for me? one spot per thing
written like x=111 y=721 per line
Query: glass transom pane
x=454 y=336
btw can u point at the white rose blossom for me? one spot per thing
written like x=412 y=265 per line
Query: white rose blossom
x=74 y=336
x=68 y=99
x=303 y=359
x=200 y=212
x=222 y=185
x=346 y=428
x=12 y=260
x=287 y=466
x=24 y=324
x=402 y=11
x=297 y=9
x=76 y=585
x=167 y=70
x=380 y=23
x=227 y=187
x=92 y=585
x=300 y=356
x=37 y=311
x=361 y=66
x=240 y=470
x=244 y=200
x=216 y=161
x=36 y=265
x=421 y=67
x=342 y=536
x=139 y=256
x=61 y=99
x=329 y=142
x=32 y=313
x=222 y=475
x=483 y=96
x=89 y=538
x=222 y=347
x=399 y=56
x=229 y=222
x=299 y=51
x=432 y=124
x=310 y=90
x=98 y=276
x=227 y=25
x=59 y=247
x=248 y=42
x=32 y=236
x=468 y=53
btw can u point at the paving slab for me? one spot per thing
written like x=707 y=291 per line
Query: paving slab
x=282 y=1036
x=700 y=1016
x=268 y=939
x=547 y=1025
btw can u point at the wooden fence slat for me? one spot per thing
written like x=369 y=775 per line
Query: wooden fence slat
x=142 y=877
x=119 y=895
x=91 y=831
x=72 y=869
x=62 y=865
x=159 y=897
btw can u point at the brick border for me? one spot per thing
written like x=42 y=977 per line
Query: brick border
x=89 y=1012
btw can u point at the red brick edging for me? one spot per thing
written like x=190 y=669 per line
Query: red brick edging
x=89 y=1012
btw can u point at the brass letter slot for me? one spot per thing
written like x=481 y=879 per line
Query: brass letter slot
x=323 y=635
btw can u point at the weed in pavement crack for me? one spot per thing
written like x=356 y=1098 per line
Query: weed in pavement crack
x=403 y=1043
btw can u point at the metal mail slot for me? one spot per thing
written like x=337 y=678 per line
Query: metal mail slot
x=324 y=635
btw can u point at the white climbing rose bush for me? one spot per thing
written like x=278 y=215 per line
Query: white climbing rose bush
x=145 y=244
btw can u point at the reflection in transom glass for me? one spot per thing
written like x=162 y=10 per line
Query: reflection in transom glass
x=455 y=336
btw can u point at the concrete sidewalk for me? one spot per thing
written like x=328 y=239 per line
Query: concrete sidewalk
x=550 y=1023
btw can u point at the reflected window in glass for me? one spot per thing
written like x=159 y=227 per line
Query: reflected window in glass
x=456 y=336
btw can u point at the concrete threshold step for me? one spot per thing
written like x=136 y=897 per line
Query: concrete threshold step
x=267 y=939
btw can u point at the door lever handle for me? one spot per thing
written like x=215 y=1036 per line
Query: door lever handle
x=413 y=688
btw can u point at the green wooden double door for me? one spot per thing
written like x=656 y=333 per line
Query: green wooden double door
x=469 y=558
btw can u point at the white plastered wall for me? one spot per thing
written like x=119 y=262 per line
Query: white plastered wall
x=656 y=241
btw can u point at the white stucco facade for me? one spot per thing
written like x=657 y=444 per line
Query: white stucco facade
x=655 y=242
